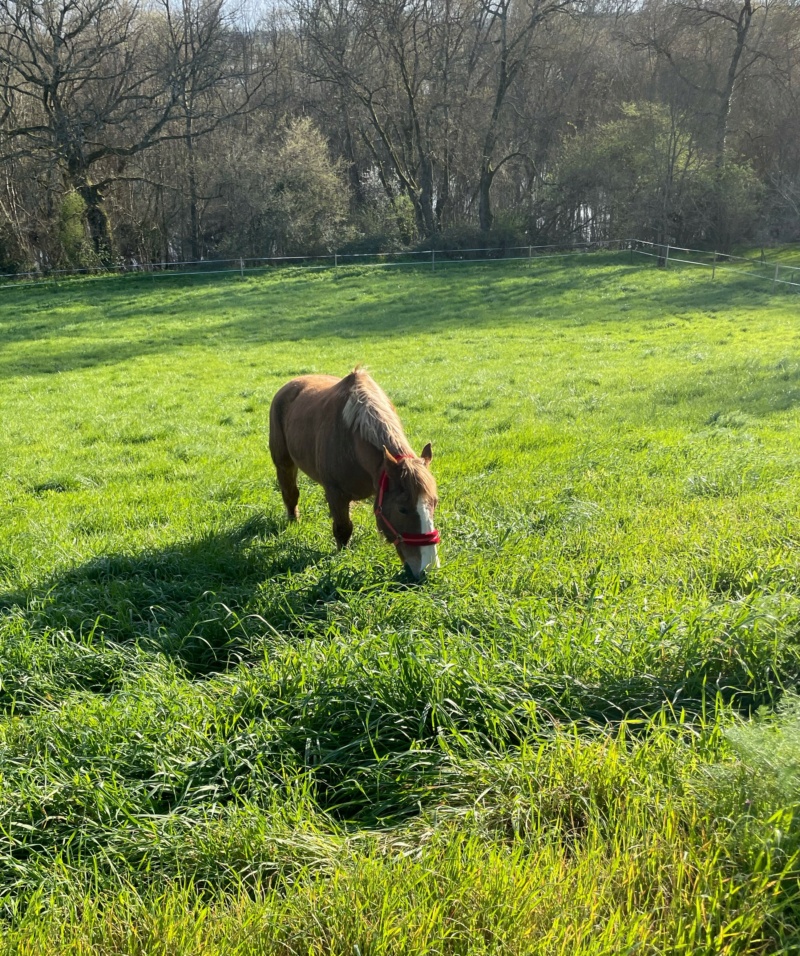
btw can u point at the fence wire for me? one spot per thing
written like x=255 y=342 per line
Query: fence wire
x=778 y=273
x=665 y=254
x=432 y=258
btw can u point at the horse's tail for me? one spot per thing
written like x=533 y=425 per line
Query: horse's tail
x=278 y=448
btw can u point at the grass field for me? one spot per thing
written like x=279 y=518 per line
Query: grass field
x=579 y=736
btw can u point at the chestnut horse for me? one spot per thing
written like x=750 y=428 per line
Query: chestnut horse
x=345 y=435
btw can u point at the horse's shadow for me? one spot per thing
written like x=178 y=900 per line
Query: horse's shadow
x=189 y=601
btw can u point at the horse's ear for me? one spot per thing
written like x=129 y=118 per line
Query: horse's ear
x=427 y=454
x=389 y=461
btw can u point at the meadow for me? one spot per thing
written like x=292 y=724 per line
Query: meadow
x=579 y=736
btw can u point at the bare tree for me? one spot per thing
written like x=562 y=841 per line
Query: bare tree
x=210 y=59
x=75 y=75
x=510 y=27
x=87 y=84
x=736 y=17
x=711 y=46
x=393 y=61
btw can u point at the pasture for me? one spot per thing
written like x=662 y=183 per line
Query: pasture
x=579 y=736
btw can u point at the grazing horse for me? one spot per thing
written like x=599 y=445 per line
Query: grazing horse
x=345 y=434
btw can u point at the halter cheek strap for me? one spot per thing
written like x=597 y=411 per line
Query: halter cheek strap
x=414 y=540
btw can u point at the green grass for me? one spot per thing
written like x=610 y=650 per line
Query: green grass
x=218 y=735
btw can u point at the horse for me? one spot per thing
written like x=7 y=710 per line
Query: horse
x=345 y=434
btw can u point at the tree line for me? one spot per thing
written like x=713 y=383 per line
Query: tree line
x=183 y=129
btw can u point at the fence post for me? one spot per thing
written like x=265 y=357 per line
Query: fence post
x=241 y=268
x=666 y=257
x=530 y=250
x=433 y=260
x=336 y=260
x=714 y=267
x=775 y=277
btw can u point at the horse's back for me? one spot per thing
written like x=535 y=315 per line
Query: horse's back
x=302 y=397
x=299 y=410
x=303 y=386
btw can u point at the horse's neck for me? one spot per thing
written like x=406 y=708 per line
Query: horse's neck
x=371 y=458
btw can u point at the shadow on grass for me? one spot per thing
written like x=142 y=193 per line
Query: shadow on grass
x=186 y=601
x=776 y=390
x=58 y=334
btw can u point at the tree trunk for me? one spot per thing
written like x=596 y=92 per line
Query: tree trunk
x=425 y=200
x=720 y=228
x=194 y=218
x=504 y=81
x=486 y=217
x=726 y=96
x=97 y=222
x=443 y=192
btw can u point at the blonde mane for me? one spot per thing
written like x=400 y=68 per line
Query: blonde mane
x=369 y=413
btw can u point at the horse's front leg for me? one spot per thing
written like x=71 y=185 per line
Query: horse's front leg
x=339 y=505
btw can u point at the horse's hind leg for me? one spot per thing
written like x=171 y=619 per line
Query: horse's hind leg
x=284 y=465
x=339 y=505
x=287 y=481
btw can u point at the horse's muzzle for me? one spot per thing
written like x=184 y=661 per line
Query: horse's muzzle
x=420 y=560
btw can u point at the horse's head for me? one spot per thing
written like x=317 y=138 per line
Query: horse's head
x=404 y=509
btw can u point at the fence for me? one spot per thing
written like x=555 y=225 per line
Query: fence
x=775 y=272
x=432 y=258
x=666 y=255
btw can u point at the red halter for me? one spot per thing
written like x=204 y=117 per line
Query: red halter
x=415 y=540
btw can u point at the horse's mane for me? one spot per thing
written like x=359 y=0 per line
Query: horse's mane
x=370 y=414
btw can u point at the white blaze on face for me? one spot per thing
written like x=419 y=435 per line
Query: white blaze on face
x=420 y=559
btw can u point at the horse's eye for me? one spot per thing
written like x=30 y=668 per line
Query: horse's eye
x=403 y=511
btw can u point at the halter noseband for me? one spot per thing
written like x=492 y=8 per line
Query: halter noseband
x=414 y=540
